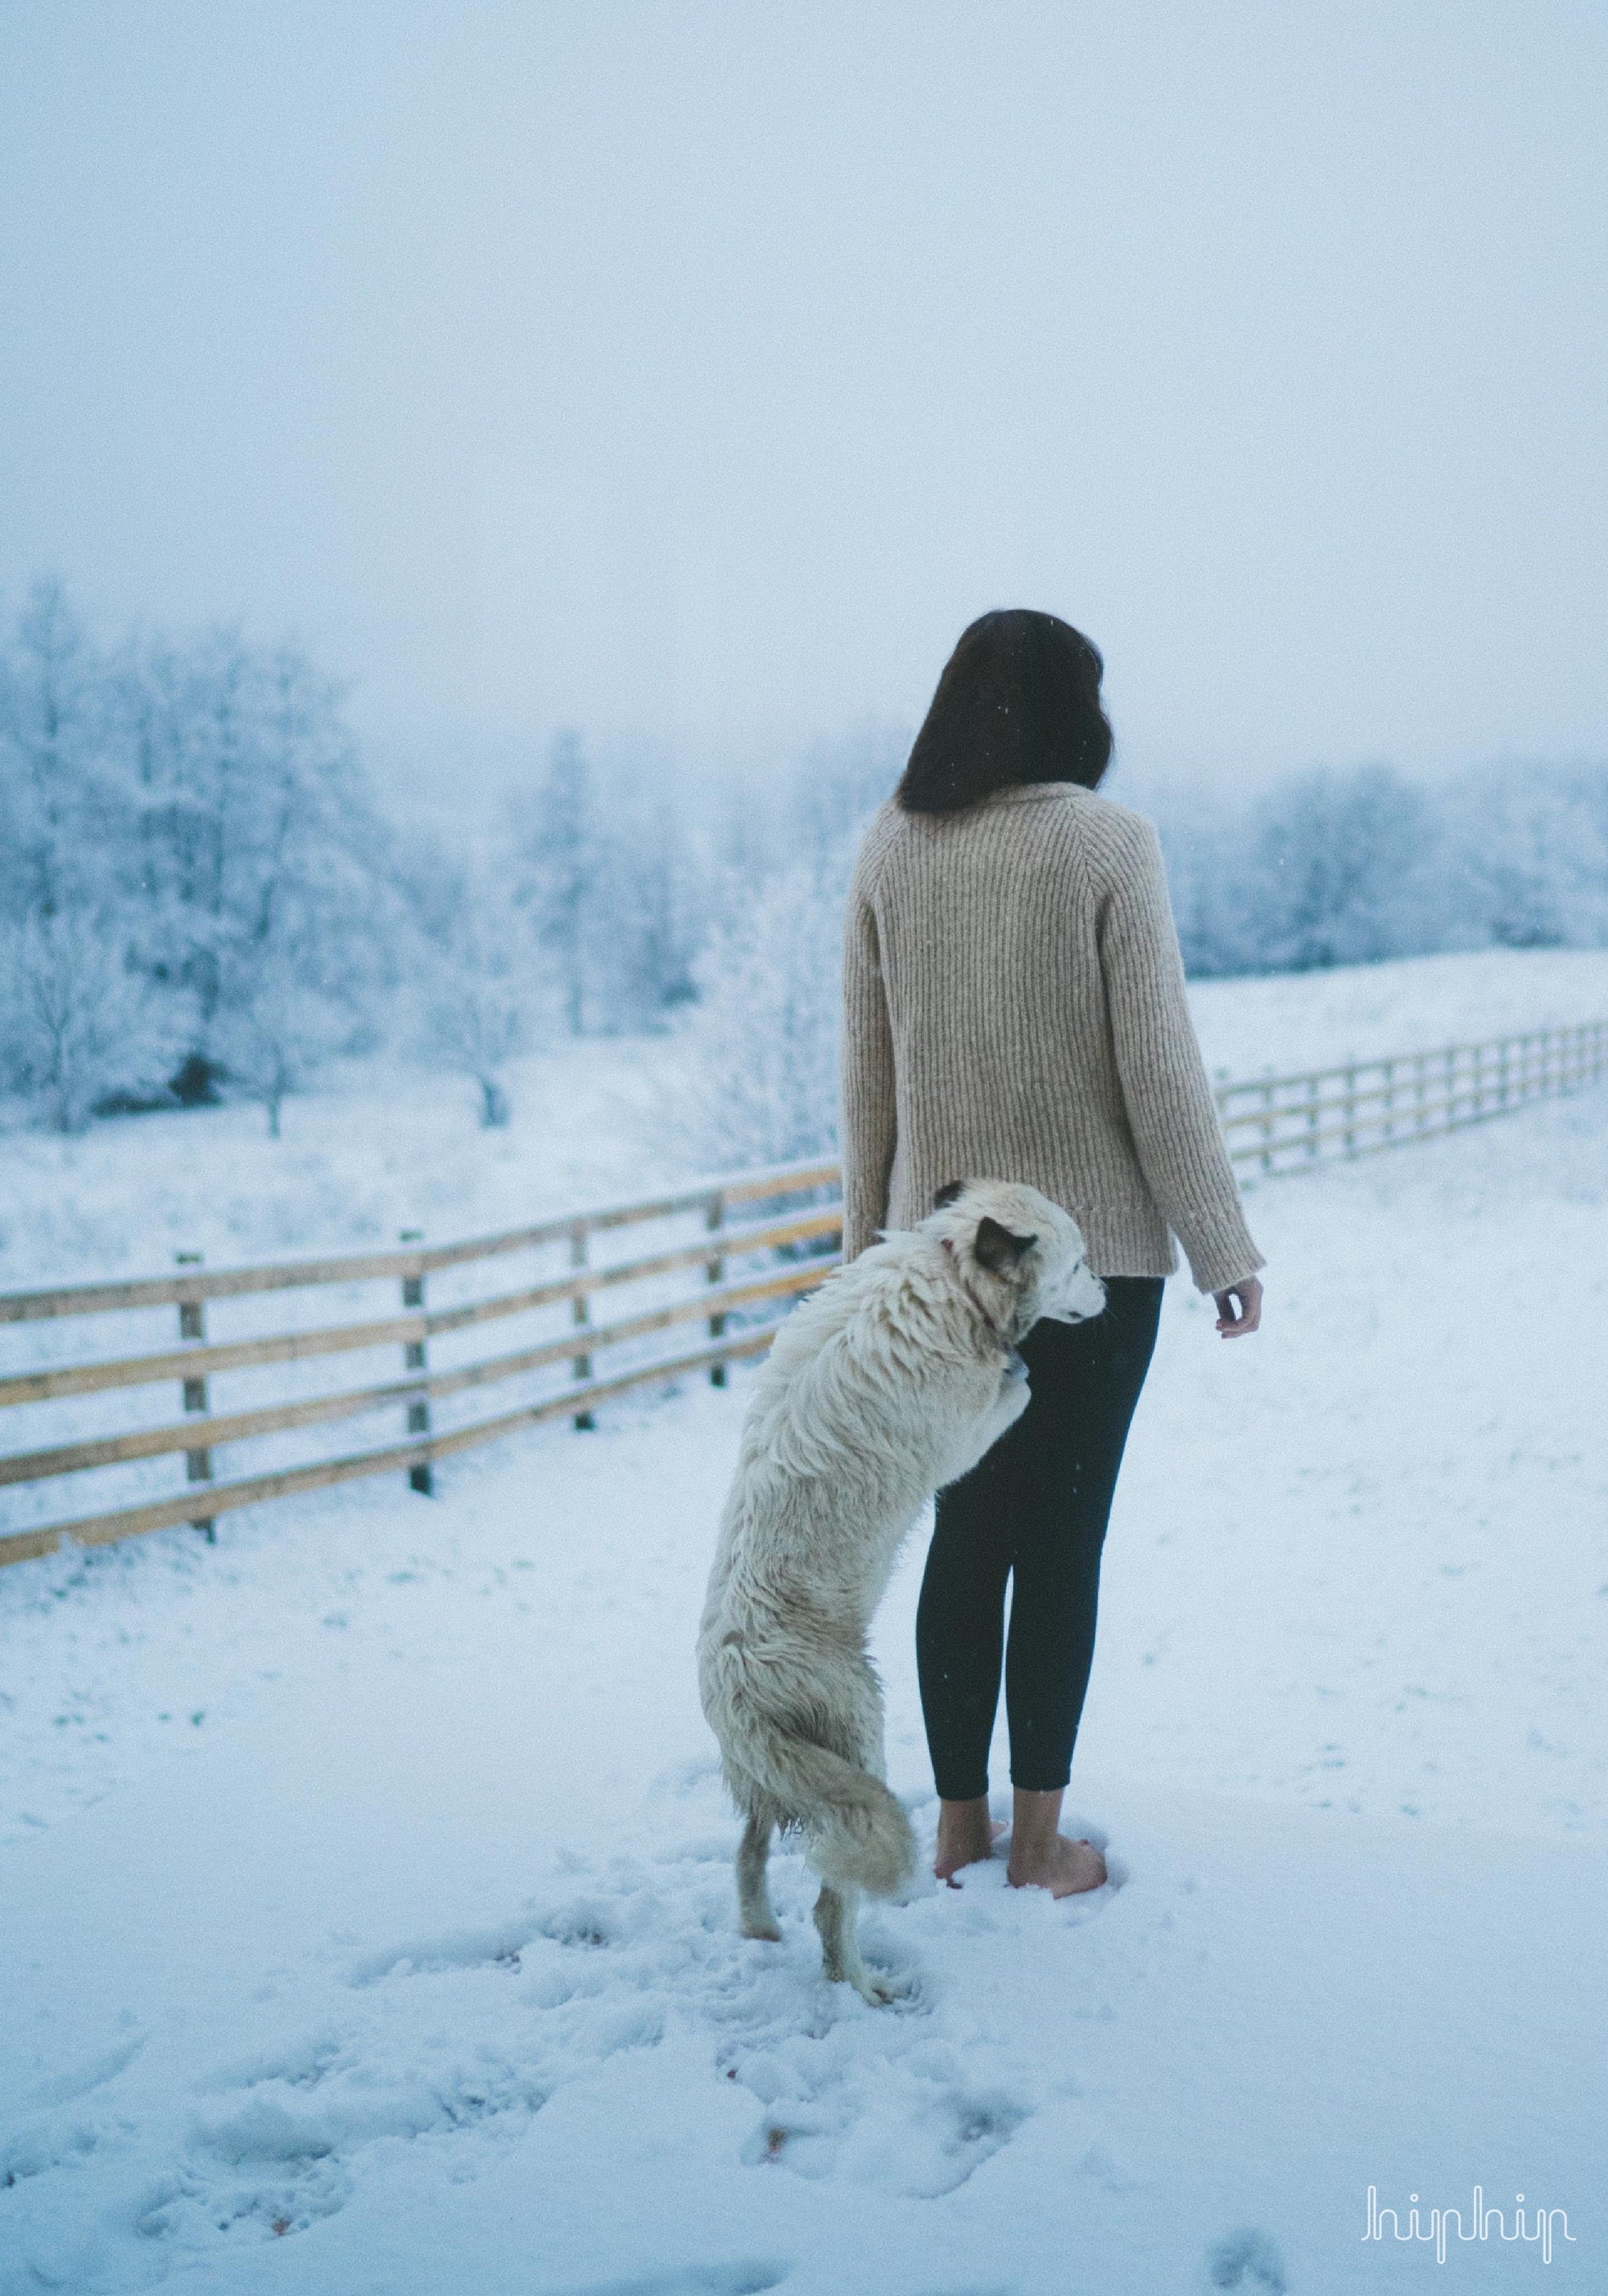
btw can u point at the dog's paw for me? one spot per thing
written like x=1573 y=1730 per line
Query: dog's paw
x=873 y=1991
x=762 y=1932
x=879 y=1989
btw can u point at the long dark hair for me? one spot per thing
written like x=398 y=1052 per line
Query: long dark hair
x=1018 y=701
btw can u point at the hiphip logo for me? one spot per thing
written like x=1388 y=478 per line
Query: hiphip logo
x=1441 y=2227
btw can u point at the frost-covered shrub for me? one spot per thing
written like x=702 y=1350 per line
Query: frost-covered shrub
x=481 y=1001
x=758 y=1080
x=1341 y=869
x=1349 y=866
x=611 y=891
x=1528 y=859
x=273 y=1034
x=79 y=1025
x=197 y=802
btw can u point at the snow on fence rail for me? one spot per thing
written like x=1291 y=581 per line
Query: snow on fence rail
x=733 y=1277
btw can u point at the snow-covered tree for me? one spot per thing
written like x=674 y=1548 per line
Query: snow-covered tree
x=556 y=849
x=254 y=825
x=657 y=917
x=275 y=1030
x=614 y=891
x=79 y=1024
x=1325 y=866
x=63 y=818
x=759 y=1083
x=1341 y=858
x=1217 y=897
x=480 y=995
x=1528 y=857
x=837 y=785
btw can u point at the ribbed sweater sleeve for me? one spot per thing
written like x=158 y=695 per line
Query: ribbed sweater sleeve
x=869 y=1106
x=1167 y=1100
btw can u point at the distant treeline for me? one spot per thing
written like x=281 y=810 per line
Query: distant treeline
x=1345 y=865
x=201 y=893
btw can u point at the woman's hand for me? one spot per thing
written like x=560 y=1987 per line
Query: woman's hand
x=1239 y=1308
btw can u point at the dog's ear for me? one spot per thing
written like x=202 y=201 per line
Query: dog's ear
x=948 y=1193
x=998 y=1250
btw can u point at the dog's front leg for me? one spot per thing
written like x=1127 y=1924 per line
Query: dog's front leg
x=998 y=1420
x=755 y=1917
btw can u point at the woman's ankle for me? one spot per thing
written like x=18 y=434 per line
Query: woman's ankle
x=1035 y=1816
x=965 y=1834
x=964 y=1816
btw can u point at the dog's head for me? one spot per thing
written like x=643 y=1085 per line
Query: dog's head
x=1020 y=1255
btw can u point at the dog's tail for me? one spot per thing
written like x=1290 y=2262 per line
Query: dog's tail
x=856 y=1833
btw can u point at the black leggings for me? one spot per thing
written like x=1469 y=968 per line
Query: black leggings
x=1036 y=1507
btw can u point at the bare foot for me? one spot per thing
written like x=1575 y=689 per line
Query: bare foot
x=966 y=1835
x=1063 y=1867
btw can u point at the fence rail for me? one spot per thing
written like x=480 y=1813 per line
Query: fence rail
x=1274 y=1124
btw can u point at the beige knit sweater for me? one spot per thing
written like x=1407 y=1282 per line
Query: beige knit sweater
x=1014 y=1009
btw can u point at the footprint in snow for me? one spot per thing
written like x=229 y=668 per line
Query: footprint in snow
x=477 y=2027
x=692 y=2280
x=1246 y=2260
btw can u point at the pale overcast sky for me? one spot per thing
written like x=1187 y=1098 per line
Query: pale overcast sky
x=692 y=373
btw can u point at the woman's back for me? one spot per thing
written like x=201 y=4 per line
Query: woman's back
x=1014 y=1007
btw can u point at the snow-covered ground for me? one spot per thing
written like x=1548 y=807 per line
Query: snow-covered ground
x=377 y=1149
x=1295 y=1021
x=368 y=1910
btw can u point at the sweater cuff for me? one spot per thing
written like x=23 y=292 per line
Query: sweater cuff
x=1219 y=1267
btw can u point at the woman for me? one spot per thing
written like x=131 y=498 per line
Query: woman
x=1014 y=1009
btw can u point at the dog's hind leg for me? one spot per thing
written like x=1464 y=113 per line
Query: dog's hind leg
x=836 y=1917
x=754 y=1915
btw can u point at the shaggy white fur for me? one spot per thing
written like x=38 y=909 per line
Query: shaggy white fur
x=890 y=1381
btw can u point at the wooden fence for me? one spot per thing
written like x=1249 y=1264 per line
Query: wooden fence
x=713 y=1263
x=1276 y=1123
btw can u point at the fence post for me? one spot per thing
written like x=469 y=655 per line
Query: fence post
x=714 y=1221
x=1312 y=1139
x=198 y=1464
x=1502 y=1083
x=1390 y=1101
x=420 y=1479
x=1451 y=1085
x=581 y=1315
x=1420 y=1086
x=1351 y=1109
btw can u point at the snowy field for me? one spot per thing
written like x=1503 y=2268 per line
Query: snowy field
x=367 y=1908
x=1293 y=1021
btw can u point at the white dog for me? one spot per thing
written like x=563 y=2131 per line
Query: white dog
x=890 y=1381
